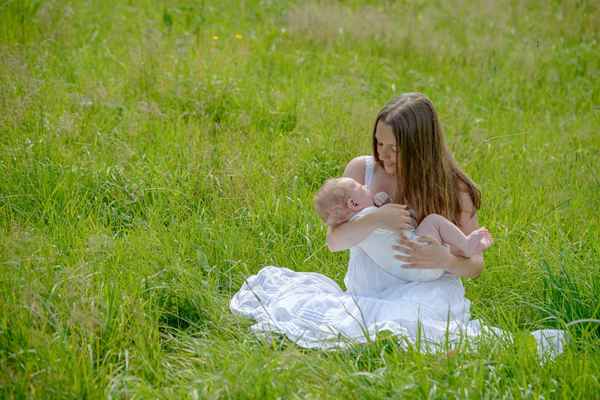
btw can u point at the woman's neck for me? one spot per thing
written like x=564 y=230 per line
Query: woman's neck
x=383 y=182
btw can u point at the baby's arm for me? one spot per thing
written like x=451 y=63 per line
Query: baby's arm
x=446 y=232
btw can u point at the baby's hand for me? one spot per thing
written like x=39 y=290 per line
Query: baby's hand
x=395 y=217
x=381 y=198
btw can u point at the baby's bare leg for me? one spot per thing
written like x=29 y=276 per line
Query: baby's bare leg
x=446 y=232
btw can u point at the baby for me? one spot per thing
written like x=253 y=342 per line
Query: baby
x=340 y=199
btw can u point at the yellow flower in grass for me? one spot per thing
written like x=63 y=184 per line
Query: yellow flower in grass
x=238 y=36
x=215 y=37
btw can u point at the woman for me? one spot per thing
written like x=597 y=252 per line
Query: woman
x=411 y=162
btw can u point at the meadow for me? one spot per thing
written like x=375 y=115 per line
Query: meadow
x=154 y=154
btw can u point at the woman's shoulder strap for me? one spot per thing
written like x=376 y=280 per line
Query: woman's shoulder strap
x=356 y=169
x=369 y=169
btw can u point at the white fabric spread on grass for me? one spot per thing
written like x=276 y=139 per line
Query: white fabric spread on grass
x=314 y=312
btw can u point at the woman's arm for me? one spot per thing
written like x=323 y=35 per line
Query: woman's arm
x=467 y=267
x=461 y=266
x=426 y=252
x=391 y=216
x=348 y=234
x=395 y=217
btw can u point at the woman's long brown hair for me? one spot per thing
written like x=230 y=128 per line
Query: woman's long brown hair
x=428 y=178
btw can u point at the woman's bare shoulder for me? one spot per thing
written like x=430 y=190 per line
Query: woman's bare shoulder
x=355 y=168
x=466 y=202
x=468 y=216
x=465 y=197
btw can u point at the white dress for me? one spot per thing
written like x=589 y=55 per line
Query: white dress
x=314 y=312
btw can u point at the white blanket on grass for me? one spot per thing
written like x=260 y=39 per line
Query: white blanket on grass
x=314 y=312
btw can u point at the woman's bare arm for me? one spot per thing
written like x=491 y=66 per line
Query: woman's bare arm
x=466 y=267
x=348 y=234
x=427 y=253
x=461 y=266
x=392 y=216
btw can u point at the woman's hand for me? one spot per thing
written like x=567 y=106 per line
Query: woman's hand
x=426 y=252
x=423 y=252
x=396 y=217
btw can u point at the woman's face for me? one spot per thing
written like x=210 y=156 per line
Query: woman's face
x=386 y=147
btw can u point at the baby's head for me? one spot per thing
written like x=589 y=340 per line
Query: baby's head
x=339 y=198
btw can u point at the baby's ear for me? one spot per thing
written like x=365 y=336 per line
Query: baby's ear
x=352 y=204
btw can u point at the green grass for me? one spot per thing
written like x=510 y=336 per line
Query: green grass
x=151 y=160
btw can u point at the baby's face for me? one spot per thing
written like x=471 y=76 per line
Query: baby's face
x=360 y=196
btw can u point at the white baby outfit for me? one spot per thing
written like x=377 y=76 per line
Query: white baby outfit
x=314 y=312
x=379 y=246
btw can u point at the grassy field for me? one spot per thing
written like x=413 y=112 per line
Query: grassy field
x=153 y=154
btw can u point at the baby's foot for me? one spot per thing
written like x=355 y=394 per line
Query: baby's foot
x=477 y=242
